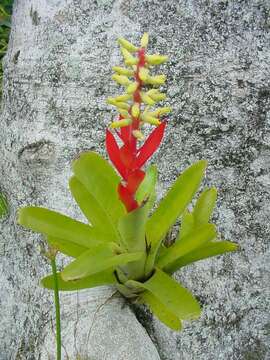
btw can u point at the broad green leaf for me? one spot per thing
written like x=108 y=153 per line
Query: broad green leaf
x=175 y=202
x=172 y=206
x=207 y=251
x=60 y=226
x=96 y=260
x=172 y=295
x=161 y=311
x=147 y=186
x=187 y=224
x=99 y=279
x=190 y=242
x=204 y=206
x=132 y=229
x=66 y=247
x=91 y=208
x=101 y=181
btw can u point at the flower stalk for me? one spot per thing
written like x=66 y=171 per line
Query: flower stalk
x=51 y=254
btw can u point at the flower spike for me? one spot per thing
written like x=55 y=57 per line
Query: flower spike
x=134 y=107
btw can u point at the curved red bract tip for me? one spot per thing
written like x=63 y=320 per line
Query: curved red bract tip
x=114 y=154
x=150 y=146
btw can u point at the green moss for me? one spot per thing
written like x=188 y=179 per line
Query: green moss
x=5 y=25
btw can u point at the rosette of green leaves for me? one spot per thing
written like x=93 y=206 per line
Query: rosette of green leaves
x=127 y=249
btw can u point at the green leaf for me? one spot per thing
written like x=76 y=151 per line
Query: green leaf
x=175 y=202
x=207 y=251
x=161 y=311
x=91 y=208
x=204 y=206
x=126 y=292
x=6 y=23
x=172 y=206
x=101 y=181
x=147 y=186
x=66 y=247
x=190 y=242
x=103 y=278
x=172 y=295
x=187 y=224
x=132 y=229
x=60 y=226
x=95 y=260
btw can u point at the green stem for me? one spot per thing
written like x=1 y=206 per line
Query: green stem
x=57 y=309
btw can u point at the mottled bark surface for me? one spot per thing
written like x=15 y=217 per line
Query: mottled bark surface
x=57 y=77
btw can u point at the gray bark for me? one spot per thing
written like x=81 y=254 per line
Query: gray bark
x=57 y=77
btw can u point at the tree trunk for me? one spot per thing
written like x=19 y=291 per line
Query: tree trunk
x=57 y=77
x=56 y=80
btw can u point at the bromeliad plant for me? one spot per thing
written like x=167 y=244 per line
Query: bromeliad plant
x=123 y=244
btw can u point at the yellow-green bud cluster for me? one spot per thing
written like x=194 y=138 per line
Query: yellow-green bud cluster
x=137 y=80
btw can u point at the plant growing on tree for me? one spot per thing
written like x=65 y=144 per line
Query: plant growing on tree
x=123 y=244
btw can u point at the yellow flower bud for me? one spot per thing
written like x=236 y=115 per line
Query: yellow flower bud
x=146 y=117
x=147 y=99
x=156 y=95
x=125 y=53
x=144 y=40
x=127 y=45
x=128 y=58
x=121 y=79
x=123 y=71
x=118 y=104
x=156 y=80
x=124 y=97
x=132 y=88
x=143 y=73
x=131 y=61
x=120 y=123
x=156 y=59
x=122 y=105
x=138 y=134
x=135 y=110
x=161 y=111
x=124 y=113
x=111 y=101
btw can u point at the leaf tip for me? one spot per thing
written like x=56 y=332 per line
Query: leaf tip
x=203 y=163
x=21 y=216
x=235 y=246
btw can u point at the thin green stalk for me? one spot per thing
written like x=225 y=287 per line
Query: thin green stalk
x=57 y=309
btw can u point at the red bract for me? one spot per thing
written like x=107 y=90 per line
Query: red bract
x=129 y=162
x=150 y=146
x=127 y=198
x=114 y=154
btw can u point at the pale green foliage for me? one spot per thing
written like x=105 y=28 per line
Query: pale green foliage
x=126 y=249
